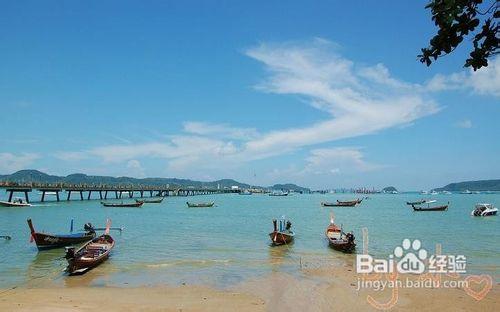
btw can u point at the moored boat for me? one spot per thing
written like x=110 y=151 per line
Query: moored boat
x=337 y=204
x=339 y=240
x=283 y=234
x=484 y=210
x=200 y=205
x=429 y=208
x=47 y=241
x=278 y=193
x=150 y=201
x=17 y=202
x=418 y=202
x=122 y=204
x=91 y=254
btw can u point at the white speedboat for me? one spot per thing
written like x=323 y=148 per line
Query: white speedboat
x=484 y=210
x=17 y=202
x=466 y=192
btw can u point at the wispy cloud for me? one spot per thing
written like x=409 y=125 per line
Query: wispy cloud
x=135 y=169
x=220 y=130
x=465 y=124
x=10 y=162
x=355 y=100
x=337 y=160
x=359 y=100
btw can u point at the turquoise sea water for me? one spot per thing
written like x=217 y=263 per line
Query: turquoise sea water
x=170 y=243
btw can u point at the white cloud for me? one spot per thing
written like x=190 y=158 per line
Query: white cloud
x=10 y=163
x=134 y=168
x=466 y=124
x=485 y=81
x=356 y=100
x=359 y=100
x=337 y=160
x=220 y=130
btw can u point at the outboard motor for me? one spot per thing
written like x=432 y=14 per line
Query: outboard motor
x=288 y=225
x=70 y=253
x=350 y=237
x=89 y=227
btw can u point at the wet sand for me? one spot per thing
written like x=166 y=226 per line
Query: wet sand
x=314 y=289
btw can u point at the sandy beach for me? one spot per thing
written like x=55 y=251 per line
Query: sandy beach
x=317 y=289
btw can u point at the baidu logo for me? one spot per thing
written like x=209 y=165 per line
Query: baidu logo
x=410 y=257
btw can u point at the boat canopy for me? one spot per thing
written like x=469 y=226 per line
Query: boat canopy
x=484 y=205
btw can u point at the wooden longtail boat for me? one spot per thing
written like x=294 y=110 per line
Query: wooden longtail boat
x=17 y=202
x=278 y=194
x=150 y=201
x=122 y=204
x=348 y=203
x=429 y=208
x=200 y=205
x=47 y=241
x=282 y=235
x=339 y=240
x=339 y=204
x=91 y=254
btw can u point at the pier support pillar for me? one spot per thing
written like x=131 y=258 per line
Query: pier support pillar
x=90 y=193
x=43 y=197
x=57 y=195
x=10 y=195
x=130 y=194
x=116 y=194
x=69 y=195
x=100 y=195
x=81 y=195
x=26 y=197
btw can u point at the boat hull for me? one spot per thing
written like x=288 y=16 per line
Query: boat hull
x=11 y=204
x=81 y=264
x=47 y=241
x=440 y=208
x=281 y=238
x=342 y=245
x=339 y=204
x=202 y=205
x=149 y=201
x=338 y=241
x=130 y=205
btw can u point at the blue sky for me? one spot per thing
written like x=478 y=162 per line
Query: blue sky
x=324 y=94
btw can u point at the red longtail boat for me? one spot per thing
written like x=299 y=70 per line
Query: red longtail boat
x=47 y=241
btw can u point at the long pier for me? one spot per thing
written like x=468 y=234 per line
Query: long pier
x=109 y=192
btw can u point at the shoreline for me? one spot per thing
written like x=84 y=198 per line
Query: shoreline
x=314 y=289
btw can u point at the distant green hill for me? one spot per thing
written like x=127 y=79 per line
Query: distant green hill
x=290 y=187
x=389 y=189
x=28 y=176
x=481 y=185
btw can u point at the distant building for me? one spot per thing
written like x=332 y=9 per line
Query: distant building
x=235 y=187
